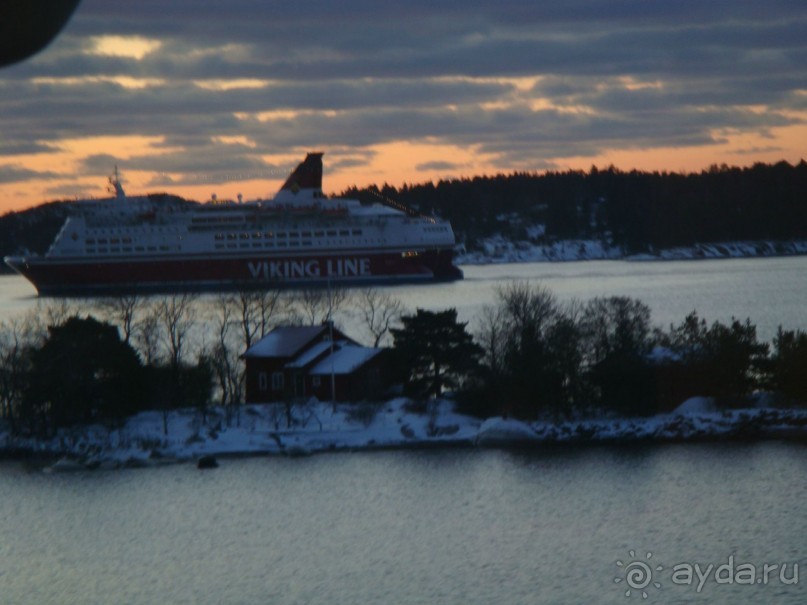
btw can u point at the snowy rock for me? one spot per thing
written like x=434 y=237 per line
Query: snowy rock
x=697 y=405
x=65 y=464
x=504 y=431
x=443 y=431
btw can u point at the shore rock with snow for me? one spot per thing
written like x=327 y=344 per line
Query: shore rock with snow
x=261 y=430
x=505 y=431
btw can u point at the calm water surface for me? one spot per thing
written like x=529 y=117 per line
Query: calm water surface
x=771 y=291
x=455 y=527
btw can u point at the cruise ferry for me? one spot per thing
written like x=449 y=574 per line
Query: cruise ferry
x=296 y=239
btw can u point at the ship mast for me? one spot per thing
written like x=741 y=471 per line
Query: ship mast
x=117 y=187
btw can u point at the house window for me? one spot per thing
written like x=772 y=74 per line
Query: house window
x=315 y=382
x=263 y=381
x=277 y=381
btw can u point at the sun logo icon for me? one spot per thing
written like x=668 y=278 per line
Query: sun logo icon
x=638 y=574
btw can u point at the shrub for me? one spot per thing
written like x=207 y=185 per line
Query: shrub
x=788 y=367
x=722 y=361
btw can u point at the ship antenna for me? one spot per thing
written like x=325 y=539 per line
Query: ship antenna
x=114 y=180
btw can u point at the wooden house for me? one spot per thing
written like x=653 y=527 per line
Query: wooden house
x=312 y=361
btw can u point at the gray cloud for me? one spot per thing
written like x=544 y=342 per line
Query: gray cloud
x=611 y=74
x=13 y=174
x=439 y=166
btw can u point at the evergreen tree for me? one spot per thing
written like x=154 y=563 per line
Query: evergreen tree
x=434 y=352
x=789 y=365
x=722 y=361
x=84 y=372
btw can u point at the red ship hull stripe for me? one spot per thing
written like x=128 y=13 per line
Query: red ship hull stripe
x=54 y=276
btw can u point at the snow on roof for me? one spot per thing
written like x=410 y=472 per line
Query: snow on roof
x=345 y=360
x=284 y=341
x=311 y=354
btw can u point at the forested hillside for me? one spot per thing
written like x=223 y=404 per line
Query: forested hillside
x=634 y=209
x=32 y=230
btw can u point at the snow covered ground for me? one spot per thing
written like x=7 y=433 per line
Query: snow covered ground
x=262 y=430
x=498 y=249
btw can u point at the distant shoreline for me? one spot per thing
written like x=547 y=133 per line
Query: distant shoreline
x=498 y=250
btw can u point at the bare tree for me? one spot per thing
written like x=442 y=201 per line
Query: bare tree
x=258 y=312
x=225 y=358
x=147 y=334
x=220 y=354
x=319 y=304
x=492 y=334
x=528 y=306
x=123 y=311
x=55 y=312
x=377 y=310
x=177 y=316
x=18 y=337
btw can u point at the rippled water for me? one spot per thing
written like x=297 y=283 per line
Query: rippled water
x=455 y=527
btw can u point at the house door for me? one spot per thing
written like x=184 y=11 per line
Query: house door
x=299 y=384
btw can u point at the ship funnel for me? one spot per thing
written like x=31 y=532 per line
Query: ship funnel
x=307 y=175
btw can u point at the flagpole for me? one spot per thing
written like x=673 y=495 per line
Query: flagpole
x=330 y=327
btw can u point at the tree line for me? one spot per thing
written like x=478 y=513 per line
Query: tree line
x=533 y=356
x=638 y=211
x=529 y=356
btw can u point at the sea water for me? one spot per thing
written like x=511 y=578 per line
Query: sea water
x=718 y=523
x=769 y=291
x=564 y=525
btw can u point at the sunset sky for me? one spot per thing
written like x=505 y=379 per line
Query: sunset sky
x=197 y=97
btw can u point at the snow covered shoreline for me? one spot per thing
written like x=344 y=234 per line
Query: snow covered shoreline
x=496 y=250
x=141 y=442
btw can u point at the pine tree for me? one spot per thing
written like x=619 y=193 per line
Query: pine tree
x=434 y=352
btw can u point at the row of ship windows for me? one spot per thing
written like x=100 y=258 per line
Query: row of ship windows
x=284 y=244
x=218 y=246
x=104 y=241
x=123 y=234
x=290 y=234
x=131 y=249
x=113 y=241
